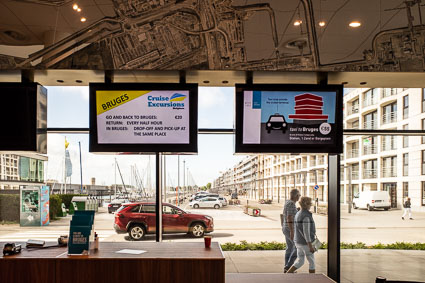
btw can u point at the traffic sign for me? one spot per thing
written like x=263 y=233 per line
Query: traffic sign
x=316 y=187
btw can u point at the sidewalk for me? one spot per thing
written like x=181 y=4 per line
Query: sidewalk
x=359 y=266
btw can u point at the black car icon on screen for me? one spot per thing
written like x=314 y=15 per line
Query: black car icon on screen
x=276 y=122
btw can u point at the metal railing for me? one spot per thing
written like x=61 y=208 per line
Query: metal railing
x=389 y=118
x=353 y=110
x=353 y=153
x=370 y=173
x=370 y=149
x=372 y=124
x=370 y=101
x=389 y=172
x=354 y=175
x=390 y=144
x=388 y=92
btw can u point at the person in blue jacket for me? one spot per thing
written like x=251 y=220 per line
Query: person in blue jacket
x=305 y=233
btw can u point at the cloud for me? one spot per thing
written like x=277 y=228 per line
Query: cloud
x=210 y=97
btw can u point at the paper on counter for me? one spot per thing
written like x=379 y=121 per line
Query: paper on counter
x=132 y=252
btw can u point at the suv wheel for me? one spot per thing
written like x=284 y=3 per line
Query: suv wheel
x=137 y=232
x=354 y=205
x=197 y=230
x=216 y=206
x=369 y=208
x=196 y=206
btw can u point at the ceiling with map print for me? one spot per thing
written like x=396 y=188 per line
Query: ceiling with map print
x=297 y=35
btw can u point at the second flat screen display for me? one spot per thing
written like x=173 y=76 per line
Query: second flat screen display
x=288 y=119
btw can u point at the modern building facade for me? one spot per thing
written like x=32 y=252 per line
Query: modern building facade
x=370 y=163
x=17 y=170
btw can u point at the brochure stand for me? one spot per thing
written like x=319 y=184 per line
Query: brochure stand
x=81 y=232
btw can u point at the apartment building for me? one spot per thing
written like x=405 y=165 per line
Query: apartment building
x=16 y=170
x=370 y=162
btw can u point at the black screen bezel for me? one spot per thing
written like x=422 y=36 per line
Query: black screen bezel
x=335 y=148
x=190 y=148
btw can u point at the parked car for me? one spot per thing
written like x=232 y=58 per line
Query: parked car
x=223 y=201
x=276 y=122
x=138 y=219
x=198 y=195
x=206 y=202
x=115 y=204
x=372 y=200
x=204 y=196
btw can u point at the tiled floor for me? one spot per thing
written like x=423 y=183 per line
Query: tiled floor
x=358 y=266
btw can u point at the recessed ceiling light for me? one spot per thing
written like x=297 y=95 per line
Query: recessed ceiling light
x=60 y=81
x=206 y=82
x=322 y=23
x=83 y=19
x=298 y=22
x=363 y=83
x=355 y=24
x=79 y=9
x=75 y=7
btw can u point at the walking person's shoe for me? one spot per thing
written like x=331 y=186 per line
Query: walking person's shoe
x=285 y=270
x=312 y=271
x=411 y=218
x=291 y=269
x=402 y=218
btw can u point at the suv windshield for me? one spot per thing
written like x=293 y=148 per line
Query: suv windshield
x=121 y=207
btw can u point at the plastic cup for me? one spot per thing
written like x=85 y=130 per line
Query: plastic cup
x=207 y=242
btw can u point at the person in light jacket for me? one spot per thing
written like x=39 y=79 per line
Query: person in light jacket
x=305 y=233
x=289 y=212
x=407 y=209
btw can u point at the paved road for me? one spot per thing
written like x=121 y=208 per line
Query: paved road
x=232 y=225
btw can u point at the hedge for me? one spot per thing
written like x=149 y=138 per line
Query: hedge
x=56 y=204
x=245 y=246
x=9 y=207
x=66 y=199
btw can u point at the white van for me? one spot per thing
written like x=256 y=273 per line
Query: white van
x=372 y=200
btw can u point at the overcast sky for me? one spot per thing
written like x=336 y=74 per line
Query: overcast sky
x=69 y=107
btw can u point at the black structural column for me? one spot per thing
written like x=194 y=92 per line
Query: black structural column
x=334 y=224
x=158 y=197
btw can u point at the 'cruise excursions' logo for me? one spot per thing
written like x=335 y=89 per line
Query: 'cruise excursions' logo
x=163 y=101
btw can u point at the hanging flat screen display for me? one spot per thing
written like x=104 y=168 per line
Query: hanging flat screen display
x=143 y=118
x=289 y=118
x=24 y=117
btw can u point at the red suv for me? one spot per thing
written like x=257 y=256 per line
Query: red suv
x=138 y=219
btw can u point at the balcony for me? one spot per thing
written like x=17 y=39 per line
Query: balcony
x=370 y=149
x=388 y=172
x=389 y=145
x=354 y=175
x=353 y=153
x=388 y=92
x=312 y=162
x=389 y=118
x=370 y=174
x=353 y=110
x=369 y=101
x=372 y=124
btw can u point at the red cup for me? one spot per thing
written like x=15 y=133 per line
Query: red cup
x=207 y=242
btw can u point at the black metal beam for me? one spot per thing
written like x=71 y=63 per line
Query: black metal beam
x=27 y=76
x=158 y=199
x=334 y=220
x=109 y=76
x=347 y=132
